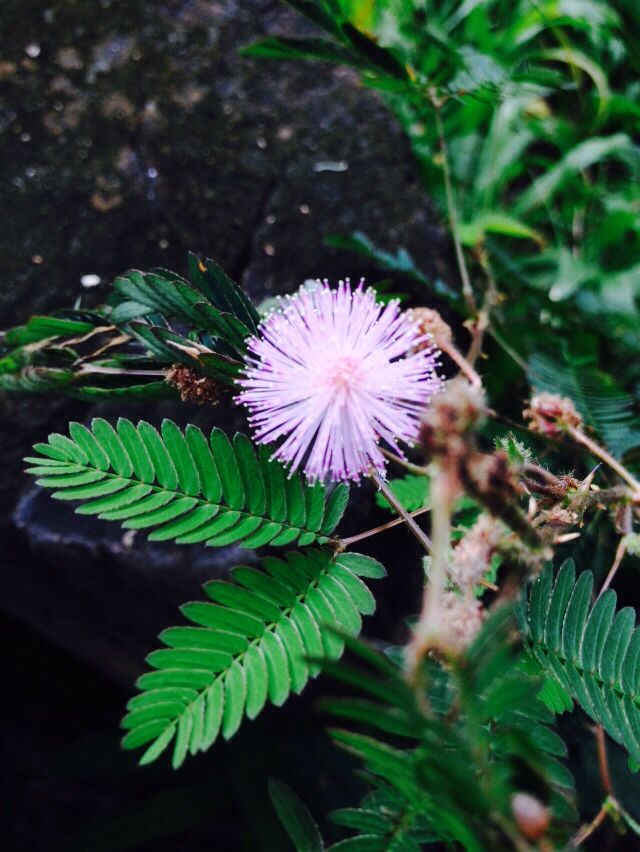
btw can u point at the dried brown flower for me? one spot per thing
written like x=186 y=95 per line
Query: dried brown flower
x=193 y=387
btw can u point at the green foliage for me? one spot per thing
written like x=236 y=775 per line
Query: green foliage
x=539 y=114
x=412 y=492
x=188 y=488
x=591 y=651
x=122 y=350
x=219 y=314
x=517 y=452
x=250 y=644
x=295 y=817
x=597 y=396
x=450 y=773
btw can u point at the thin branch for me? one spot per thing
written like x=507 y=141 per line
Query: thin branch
x=621 y=549
x=459 y=359
x=432 y=598
x=610 y=808
x=407 y=465
x=346 y=542
x=603 y=762
x=467 y=290
x=594 y=448
x=392 y=500
x=508 y=348
x=587 y=830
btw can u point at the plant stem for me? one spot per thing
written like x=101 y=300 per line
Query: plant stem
x=407 y=465
x=462 y=362
x=579 y=436
x=621 y=549
x=587 y=830
x=392 y=500
x=610 y=807
x=467 y=290
x=346 y=542
x=117 y=371
x=603 y=762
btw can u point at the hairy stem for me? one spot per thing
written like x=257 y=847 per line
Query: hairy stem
x=393 y=501
x=603 y=761
x=609 y=807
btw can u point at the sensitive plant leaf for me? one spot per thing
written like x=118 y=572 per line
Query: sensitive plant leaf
x=249 y=644
x=590 y=650
x=184 y=487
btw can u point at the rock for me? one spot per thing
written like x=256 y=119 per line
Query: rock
x=133 y=136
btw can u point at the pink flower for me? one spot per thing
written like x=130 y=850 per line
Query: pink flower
x=332 y=374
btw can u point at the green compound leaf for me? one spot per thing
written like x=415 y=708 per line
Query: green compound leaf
x=590 y=652
x=187 y=488
x=250 y=644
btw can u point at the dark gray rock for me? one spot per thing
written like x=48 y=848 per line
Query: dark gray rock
x=129 y=137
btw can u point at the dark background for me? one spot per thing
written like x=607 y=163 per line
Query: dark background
x=130 y=133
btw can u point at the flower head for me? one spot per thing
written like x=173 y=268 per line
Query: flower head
x=332 y=374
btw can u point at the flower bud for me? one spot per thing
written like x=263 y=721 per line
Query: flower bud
x=430 y=322
x=552 y=415
x=530 y=815
x=451 y=417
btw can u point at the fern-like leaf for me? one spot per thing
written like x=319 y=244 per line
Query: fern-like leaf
x=592 y=651
x=597 y=396
x=250 y=644
x=189 y=489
